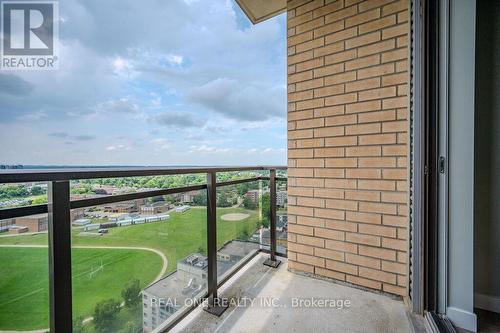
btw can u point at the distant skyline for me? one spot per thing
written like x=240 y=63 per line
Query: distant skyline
x=178 y=82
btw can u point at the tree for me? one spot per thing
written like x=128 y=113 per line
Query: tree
x=130 y=327
x=131 y=293
x=223 y=200
x=157 y=199
x=105 y=313
x=39 y=200
x=78 y=325
x=13 y=191
x=248 y=203
x=201 y=250
x=37 y=190
x=243 y=234
x=200 y=199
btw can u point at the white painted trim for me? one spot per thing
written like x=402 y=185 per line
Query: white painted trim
x=463 y=319
x=268 y=9
x=487 y=302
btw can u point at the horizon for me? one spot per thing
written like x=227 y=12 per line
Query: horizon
x=5 y=166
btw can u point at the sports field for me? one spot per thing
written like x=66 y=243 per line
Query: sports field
x=24 y=277
x=97 y=274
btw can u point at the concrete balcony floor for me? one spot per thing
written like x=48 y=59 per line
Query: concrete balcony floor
x=368 y=312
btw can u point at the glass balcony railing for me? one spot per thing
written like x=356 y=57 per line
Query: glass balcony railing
x=134 y=260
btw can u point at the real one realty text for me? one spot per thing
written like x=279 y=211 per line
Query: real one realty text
x=295 y=302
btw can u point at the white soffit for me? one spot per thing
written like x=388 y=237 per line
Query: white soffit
x=261 y=10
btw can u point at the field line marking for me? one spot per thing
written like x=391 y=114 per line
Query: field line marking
x=161 y=254
x=22 y=296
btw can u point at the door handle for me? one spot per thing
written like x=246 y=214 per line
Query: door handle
x=442 y=164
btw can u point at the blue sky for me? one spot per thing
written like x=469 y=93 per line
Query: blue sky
x=152 y=82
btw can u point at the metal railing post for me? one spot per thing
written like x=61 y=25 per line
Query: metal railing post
x=272 y=261
x=214 y=305
x=59 y=230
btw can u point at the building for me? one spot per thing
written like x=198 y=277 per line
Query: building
x=90 y=227
x=34 y=223
x=192 y=270
x=121 y=207
x=348 y=130
x=281 y=222
x=6 y=224
x=5 y=166
x=16 y=229
x=392 y=146
x=81 y=222
x=264 y=239
x=281 y=198
x=187 y=197
x=392 y=154
x=253 y=195
x=155 y=208
x=163 y=298
x=77 y=213
x=182 y=209
x=114 y=217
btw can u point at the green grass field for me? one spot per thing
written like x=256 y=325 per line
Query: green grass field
x=23 y=273
x=24 y=281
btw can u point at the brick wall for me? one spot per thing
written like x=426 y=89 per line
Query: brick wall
x=347 y=140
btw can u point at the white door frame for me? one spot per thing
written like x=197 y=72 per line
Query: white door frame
x=456 y=145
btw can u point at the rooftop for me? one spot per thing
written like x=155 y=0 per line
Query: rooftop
x=171 y=286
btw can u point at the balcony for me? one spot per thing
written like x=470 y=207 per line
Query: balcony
x=264 y=299
x=187 y=269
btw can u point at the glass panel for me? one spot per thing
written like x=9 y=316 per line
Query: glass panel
x=239 y=224
x=282 y=217
x=26 y=194
x=264 y=207
x=24 y=284
x=137 y=264
x=24 y=301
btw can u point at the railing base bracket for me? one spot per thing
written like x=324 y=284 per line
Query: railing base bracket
x=272 y=263
x=216 y=310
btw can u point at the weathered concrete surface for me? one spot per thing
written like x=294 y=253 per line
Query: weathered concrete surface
x=368 y=312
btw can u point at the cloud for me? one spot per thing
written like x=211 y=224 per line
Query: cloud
x=14 y=85
x=63 y=135
x=177 y=119
x=59 y=134
x=160 y=144
x=83 y=137
x=125 y=85
x=267 y=151
x=175 y=59
x=240 y=100
x=121 y=105
x=209 y=149
x=37 y=115
x=119 y=147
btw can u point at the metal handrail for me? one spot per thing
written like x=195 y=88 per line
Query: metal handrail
x=33 y=175
x=9 y=213
x=59 y=207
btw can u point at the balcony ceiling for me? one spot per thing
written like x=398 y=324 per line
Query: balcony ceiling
x=261 y=10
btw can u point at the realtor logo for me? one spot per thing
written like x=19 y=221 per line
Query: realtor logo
x=29 y=35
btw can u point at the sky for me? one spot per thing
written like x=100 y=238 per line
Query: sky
x=151 y=82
